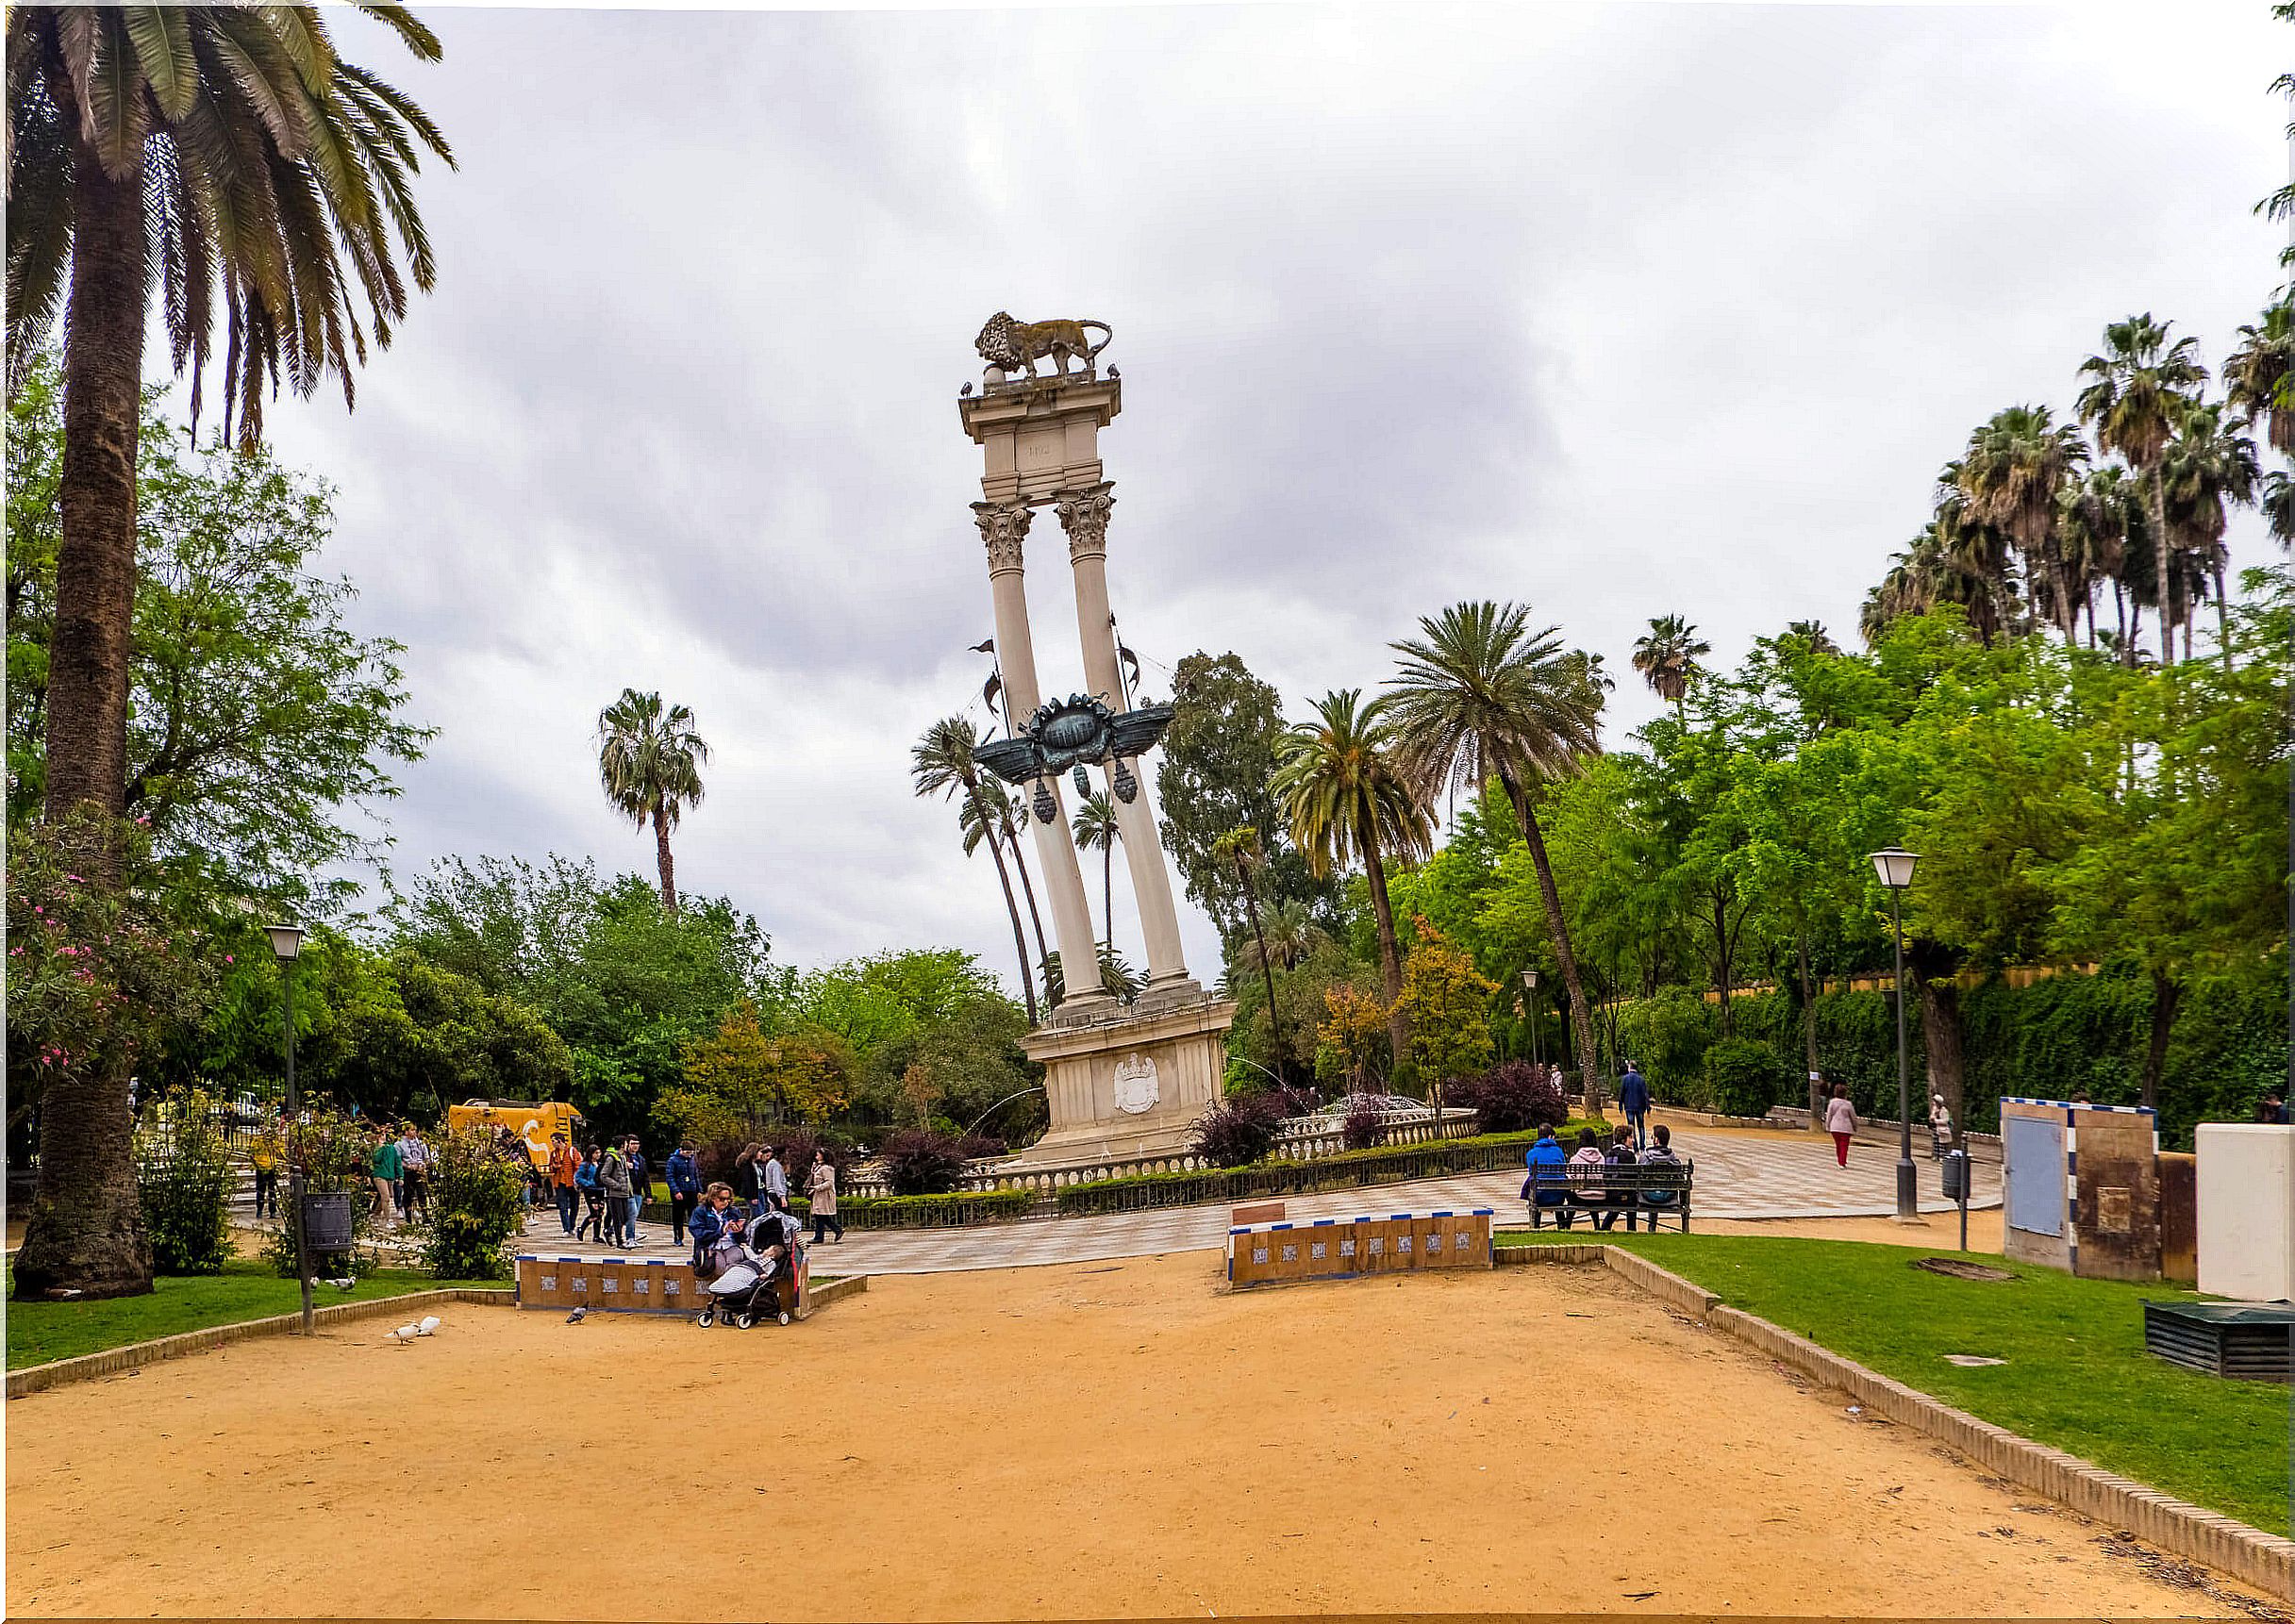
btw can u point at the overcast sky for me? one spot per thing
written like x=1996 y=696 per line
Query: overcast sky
x=1619 y=310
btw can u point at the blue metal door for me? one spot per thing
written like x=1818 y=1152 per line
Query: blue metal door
x=2034 y=1174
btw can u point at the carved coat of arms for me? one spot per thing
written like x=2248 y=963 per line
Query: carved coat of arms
x=1136 y=1086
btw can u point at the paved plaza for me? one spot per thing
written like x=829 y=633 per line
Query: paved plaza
x=1739 y=1175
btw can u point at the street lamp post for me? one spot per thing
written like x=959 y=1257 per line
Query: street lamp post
x=1895 y=867
x=287 y=944
x=1530 y=989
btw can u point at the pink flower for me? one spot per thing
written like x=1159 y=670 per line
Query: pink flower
x=227 y=958
x=74 y=879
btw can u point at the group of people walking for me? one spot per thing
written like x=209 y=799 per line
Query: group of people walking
x=602 y=1191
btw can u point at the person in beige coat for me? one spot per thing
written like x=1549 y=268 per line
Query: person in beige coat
x=820 y=1190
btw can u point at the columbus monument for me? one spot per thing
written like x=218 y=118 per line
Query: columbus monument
x=1124 y=1079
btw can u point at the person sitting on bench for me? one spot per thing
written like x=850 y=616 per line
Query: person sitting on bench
x=1621 y=1153
x=1659 y=1155
x=1547 y=1186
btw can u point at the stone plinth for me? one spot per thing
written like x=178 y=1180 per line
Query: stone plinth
x=1040 y=438
x=1133 y=1085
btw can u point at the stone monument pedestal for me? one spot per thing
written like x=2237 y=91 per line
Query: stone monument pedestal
x=1130 y=1085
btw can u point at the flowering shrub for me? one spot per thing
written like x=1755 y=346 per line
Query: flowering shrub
x=97 y=976
x=183 y=1180
x=477 y=1202
x=335 y=1154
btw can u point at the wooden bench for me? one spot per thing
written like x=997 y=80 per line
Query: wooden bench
x=1653 y=1188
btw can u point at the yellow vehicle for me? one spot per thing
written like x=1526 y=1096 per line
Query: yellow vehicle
x=533 y=1124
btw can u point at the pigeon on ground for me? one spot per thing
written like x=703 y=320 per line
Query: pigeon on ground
x=406 y=1334
x=575 y=1318
x=344 y=1283
x=429 y=1325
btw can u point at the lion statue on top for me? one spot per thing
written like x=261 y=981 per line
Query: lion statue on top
x=1017 y=346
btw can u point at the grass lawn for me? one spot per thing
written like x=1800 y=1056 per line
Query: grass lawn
x=247 y=1289
x=2076 y=1377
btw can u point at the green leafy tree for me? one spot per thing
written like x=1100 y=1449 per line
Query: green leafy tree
x=228 y=160
x=1216 y=774
x=257 y=720
x=650 y=758
x=1448 y=1001
x=1346 y=798
x=1480 y=695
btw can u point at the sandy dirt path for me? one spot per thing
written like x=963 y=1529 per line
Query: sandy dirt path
x=1087 y=1440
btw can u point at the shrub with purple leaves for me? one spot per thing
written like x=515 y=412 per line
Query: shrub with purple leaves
x=920 y=1162
x=1364 y=1126
x=1513 y=1097
x=1238 y=1133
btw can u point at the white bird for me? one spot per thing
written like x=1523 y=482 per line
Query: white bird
x=429 y=1327
x=406 y=1334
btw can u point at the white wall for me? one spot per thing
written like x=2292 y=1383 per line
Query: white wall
x=2247 y=1211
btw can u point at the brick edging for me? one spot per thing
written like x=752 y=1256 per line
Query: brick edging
x=2250 y=1554
x=59 y=1373
x=830 y=1291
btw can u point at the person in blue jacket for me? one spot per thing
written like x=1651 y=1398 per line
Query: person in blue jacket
x=1634 y=1099
x=684 y=1176
x=1546 y=1184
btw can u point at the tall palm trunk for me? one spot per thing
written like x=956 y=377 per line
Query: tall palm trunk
x=2222 y=613
x=1004 y=878
x=85 y=1235
x=667 y=864
x=1549 y=896
x=1027 y=889
x=2163 y=556
x=1267 y=971
x=1389 y=953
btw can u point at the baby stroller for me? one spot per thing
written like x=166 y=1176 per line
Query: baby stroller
x=747 y=1284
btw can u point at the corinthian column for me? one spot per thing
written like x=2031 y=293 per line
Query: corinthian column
x=1084 y=516
x=1005 y=528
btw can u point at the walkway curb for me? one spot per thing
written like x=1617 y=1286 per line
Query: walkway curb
x=830 y=1291
x=135 y=1356
x=2250 y=1554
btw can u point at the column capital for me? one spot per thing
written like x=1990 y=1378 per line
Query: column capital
x=1084 y=516
x=1004 y=527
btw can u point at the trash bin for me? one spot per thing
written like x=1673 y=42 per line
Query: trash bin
x=1956 y=1175
x=327 y=1222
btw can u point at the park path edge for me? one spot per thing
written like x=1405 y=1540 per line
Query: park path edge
x=2247 y=1553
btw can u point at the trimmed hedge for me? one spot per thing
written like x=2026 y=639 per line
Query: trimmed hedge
x=2052 y=1039
x=1349 y=1169
x=905 y=1212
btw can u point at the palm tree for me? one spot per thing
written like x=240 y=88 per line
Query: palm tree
x=649 y=765
x=2259 y=377
x=2207 y=467
x=2096 y=515
x=1667 y=658
x=226 y=158
x=2139 y=384
x=2278 y=504
x=941 y=764
x=1239 y=848
x=1480 y=694
x=1094 y=829
x=1346 y=798
x=1813 y=635
x=2011 y=472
